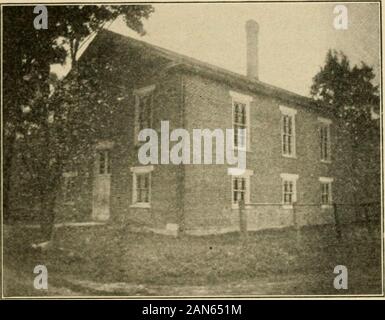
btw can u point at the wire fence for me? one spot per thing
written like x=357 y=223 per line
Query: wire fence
x=367 y=213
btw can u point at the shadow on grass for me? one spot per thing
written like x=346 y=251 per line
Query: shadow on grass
x=275 y=259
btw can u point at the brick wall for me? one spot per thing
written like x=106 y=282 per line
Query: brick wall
x=198 y=197
x=120 y=71
x=208 y=187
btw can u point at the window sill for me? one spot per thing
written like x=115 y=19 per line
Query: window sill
x=326 y=206
x=241 y=149
x=236 y=206
x=289 y=156
x=141 y=205
x=326 y=161
x=287 y=206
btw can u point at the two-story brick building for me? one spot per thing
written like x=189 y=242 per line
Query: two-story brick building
x=296 y=151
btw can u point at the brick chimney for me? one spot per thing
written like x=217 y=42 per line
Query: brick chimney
x=252 y=49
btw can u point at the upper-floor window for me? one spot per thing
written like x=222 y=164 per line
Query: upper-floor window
x=288 y=131
x=144 y=99
x=289 y=189
x=241 y=120
x=325 y=142
x=239 y=125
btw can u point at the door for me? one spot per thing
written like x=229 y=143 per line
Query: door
x=101 y=186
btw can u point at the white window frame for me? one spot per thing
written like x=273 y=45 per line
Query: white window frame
x=325 y=123
x=290 y=178
x=239 y=173
x=329 y=181
x=141 y=170
x=289 y=112
x=138 y=94
x=67 y=176
x=237 y=97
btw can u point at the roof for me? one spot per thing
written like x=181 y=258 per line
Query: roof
x=196 y=66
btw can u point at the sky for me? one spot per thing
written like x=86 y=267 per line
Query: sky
x=293 y=37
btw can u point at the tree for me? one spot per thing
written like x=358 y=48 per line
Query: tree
x=348 y=92
x=29 y=112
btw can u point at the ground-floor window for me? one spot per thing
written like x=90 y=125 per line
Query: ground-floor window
x=239 y=189
x=141 y=187
x=326 y=191
x=69 y=191
x=288 y=192
x=240 y=186
x=289 y=189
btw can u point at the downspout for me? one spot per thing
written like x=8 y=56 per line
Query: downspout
x=181 y=179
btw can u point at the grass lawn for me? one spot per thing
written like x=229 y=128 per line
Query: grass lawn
x=109 y=254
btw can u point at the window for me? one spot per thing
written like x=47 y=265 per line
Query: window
x=241 y=121
x=104 y=166
x=288 y=131
x=239 y=189
x=325 y=195
x=143 y=109
x=142 y=187
x=288 y=192
x=325 y=145
x=287 y=135
x=141 y=193
x=240 y=186
x=239 y=125
x=69 y=187
x=326 y=191
x=289 y=189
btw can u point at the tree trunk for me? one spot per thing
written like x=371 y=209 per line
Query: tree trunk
x=9 y=148
x=355 y=174
x=47 y=221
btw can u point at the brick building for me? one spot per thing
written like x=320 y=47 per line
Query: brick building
x=295 y=150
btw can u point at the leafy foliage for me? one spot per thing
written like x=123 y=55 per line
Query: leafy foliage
x=28 y=53
x=347 y=91
x=47 y=127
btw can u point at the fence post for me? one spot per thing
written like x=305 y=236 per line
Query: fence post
x=366 y=207
x=337 y=221
x=296 y=224
x=242 y=219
